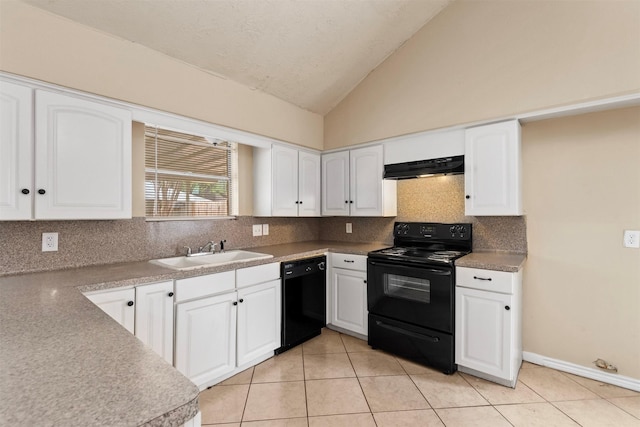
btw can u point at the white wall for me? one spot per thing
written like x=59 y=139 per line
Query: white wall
x=581 y=286
x=480 y=60
x=40 y=45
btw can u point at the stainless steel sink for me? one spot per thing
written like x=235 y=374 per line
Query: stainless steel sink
x=211 y=260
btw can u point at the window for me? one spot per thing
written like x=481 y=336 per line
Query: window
x=188 y=176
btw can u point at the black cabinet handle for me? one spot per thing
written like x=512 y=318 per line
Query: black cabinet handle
x=130 y=303
x=241 y=300
x=365 y=281
x=235 y=303
x=467 y=196
x=506 y=307
x=346 y=201
x=297 y=202
x=300 y=202
x=41 y=191
x=482 y=278
x=349 y=260
x=350 y=201
x=170 y=294
x=25 y=191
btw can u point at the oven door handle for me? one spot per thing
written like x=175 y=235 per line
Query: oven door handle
x=404 y=267
x=407 y=333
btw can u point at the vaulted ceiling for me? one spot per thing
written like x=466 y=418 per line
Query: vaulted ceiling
x=311 y=53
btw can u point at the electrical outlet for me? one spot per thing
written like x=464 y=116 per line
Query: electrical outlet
x=265 y=229
x=257 y=230
x=631 y=238
x=349 y=228
x=49 y=242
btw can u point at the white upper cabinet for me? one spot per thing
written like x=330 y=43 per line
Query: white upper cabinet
x=286 y=182
x=79 y=166
x=335 y=184
x=352 y=184
x=82 y=160
x=493 y=172
x=309 y=184
x=16 y=151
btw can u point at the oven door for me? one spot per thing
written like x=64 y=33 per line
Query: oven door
x=419 y=295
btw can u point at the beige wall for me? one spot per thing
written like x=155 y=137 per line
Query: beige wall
x=46 y=47
x=581 y=286
x=479 y=60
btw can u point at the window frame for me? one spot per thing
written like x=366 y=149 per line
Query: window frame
x=232 y=175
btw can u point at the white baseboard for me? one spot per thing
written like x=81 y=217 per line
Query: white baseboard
x=591 y=373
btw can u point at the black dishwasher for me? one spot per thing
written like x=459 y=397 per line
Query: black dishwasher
x=303 y=300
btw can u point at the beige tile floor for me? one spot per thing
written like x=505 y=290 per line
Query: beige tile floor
x=336 y=380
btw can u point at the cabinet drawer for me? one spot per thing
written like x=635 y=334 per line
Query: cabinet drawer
x=200 y=286
x=486 y=280
x=258 y=274
x=348 y=261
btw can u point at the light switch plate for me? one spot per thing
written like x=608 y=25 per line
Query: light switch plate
x=265 y=229
x=257 y=230
x=349 y=228
x=632 y=238
x=49 y=242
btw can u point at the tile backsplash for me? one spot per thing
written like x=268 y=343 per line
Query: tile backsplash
x=81 y=243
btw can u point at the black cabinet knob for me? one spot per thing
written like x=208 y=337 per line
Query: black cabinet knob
x=241 y=300
x=25 y=191
x=130 y=303
x=467 y=196
x=506 y=307
x=235 y=303
x=350 y=201
x=297 y=202
x=41 y=191
x=300 y=202
x=170 y=294
x=346 y=201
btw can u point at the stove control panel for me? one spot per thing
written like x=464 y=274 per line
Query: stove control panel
x=435 y=231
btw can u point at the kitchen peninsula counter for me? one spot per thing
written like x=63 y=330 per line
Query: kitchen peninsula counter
x=63 y=361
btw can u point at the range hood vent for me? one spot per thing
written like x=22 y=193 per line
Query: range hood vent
x=453 y=165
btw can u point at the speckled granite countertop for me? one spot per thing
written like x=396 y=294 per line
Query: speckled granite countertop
x=500 y=261
x=65 y=362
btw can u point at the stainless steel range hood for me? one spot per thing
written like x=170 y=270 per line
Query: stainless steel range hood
x=452 y=165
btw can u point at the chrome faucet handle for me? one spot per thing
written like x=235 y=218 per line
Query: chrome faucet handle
x=188 y=248
x=211 y=244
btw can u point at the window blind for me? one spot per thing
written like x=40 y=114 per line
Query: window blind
x=187 y=175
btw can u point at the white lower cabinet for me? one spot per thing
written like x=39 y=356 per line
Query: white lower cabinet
x=117 y=303
x=258 y=321
x=205 y=337
x=488 y=324
x=219 y=331
x=349 y=293
x=154 y=317
x=146 y=311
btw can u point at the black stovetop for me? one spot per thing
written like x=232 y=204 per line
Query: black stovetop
x=421 y=242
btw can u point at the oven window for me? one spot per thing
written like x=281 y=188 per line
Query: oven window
x=411 y=288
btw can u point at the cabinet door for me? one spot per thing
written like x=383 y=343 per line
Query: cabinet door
x=366 y=181
x=16 y=151
x=206 y=338
x=118 y=304
x=309 y=184
x=285 y=181
x=493 y=170
x=83 y=159
x=335 y=184
x=154 y=317
x=258 y=321
x=349 y=300
x=483 y=331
